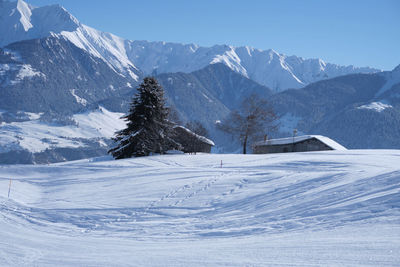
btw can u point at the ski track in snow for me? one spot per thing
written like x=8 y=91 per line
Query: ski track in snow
x=188 y=201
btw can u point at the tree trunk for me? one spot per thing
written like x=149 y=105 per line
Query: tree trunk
x=245 y=144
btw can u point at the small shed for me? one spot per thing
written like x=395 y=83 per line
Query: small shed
x=296 y=144
x=192 y=142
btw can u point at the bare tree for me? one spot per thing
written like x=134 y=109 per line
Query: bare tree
x=254 y=119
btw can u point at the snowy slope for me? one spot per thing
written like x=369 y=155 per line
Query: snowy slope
x=37 y=136
x=337 y=208
x=106 y=46
x=392 y=78
x=21 y=21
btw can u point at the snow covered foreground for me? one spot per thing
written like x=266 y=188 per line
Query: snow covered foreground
x=336 y=208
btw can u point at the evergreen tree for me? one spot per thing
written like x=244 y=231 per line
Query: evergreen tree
x=148 y=129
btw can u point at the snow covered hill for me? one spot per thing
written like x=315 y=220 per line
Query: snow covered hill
x=21 y=21
x=336 y=208
x=39 y=141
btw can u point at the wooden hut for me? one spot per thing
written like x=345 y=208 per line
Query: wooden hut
x=192 y=142
x=296 y=144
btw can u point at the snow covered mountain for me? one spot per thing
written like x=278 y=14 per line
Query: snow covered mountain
x=269 y=68
x=358 y=110
x=345 y=108
x=208 y=94
x=53 y=68
x=52 y=75
x=44 y=120
x=21 y=21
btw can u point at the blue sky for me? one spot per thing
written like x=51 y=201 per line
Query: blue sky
x=358 y=32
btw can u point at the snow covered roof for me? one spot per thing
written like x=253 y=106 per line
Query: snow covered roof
x=290 y=140
x=199 y=137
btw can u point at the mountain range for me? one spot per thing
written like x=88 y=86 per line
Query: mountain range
x=21 y=21
x=60 y=80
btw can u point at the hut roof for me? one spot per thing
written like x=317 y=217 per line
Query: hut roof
x=290 y=140
x=198 y=137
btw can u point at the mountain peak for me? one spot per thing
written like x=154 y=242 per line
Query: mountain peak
x=26 y=12
x=22 y=21
x=396 y=69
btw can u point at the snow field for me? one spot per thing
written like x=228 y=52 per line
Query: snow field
x=37 y=136
x=336 y=208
